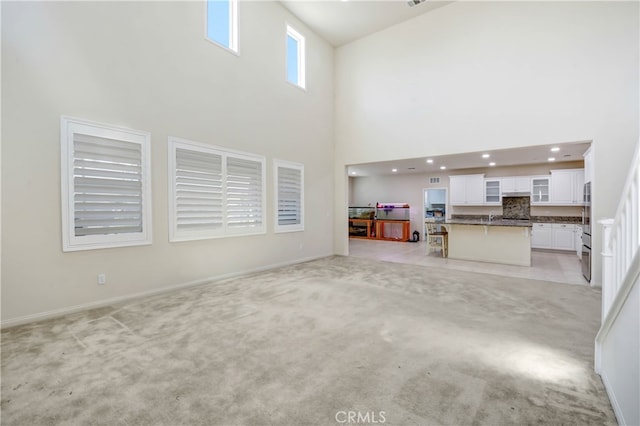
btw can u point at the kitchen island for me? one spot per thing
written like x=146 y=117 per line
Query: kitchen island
x=498 y=241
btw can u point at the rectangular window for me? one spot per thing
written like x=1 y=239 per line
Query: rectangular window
x=295 y=58
x=222 y=23
x=289 y=190
x=106 y=195
x=214 y=192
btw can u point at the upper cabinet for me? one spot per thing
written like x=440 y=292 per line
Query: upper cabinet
x=466 y=190
x=567 y=186
x=516 y=184
x=588 y=166
x=560 y=188
x=492 y=191
x=540 y=189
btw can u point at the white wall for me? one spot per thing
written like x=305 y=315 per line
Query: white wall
x=472 y=76
x=392 y=189
x=147 y=65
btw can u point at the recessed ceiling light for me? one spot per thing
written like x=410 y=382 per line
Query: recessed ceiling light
x=551 y=159
x=485 y=156
x=353 y=173
x=429 y=160
x=492 y=163
x=394 y=170
x=443 y=167
x=555 y=149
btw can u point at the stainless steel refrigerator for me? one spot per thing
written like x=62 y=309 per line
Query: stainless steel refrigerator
x=586 y=232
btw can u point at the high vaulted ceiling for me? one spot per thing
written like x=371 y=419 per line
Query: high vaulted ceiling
x=343 y=21
x=340 y=22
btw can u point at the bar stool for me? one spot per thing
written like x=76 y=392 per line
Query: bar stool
x=437 y=239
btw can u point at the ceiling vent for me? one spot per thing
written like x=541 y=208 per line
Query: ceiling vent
x=434 y=180
x=415 y=2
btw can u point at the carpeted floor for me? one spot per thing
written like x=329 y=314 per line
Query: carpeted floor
x=324 y=342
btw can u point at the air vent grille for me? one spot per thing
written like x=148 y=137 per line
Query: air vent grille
x=434 y=180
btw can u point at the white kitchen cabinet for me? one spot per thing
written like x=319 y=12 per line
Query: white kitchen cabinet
x=561 y=187
x=457 y=190
x=541 y=235
x=556 y=236
x=465 y=190
x=588 y=166
x=492 y=192
x=516 y=184
x=579 y=187
x=475 y=189
x=540 y=190
x=567 y=187
x=563 y=236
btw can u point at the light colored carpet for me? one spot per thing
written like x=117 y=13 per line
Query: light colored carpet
x=303 y=344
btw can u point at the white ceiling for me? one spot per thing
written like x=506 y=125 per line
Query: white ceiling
x=473 y=160
x=340 y=22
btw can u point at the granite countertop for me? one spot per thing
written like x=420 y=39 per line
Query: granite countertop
x=498 y=220
x=576 y=220
x=486 y=222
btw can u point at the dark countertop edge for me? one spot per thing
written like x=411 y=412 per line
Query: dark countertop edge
x=512 y=224
x=568 y=220
x=560 y=222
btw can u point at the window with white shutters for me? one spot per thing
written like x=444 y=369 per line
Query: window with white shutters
x=198 y=192
x=106 y=198
x=215 y=192
x=244 y=193
x=289 y=189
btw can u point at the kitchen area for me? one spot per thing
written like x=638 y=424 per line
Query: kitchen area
x=499 y=215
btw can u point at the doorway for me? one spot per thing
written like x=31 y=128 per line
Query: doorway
x=435 y=204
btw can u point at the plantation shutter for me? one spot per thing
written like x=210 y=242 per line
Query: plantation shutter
x=198 y=191
x=107 y=186
x=244 y=193
x=289 y=196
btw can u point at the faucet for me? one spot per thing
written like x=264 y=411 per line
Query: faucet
x=490 y=216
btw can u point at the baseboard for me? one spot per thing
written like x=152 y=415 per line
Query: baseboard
x=614 y=402
x=114 y=300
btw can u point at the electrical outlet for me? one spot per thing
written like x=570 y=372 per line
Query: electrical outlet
x=102 y=279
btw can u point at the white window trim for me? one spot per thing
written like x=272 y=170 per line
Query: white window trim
x=302 y=72
x=234 y=45
x=276 y=190
x=177 y=236
x=70 y=242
